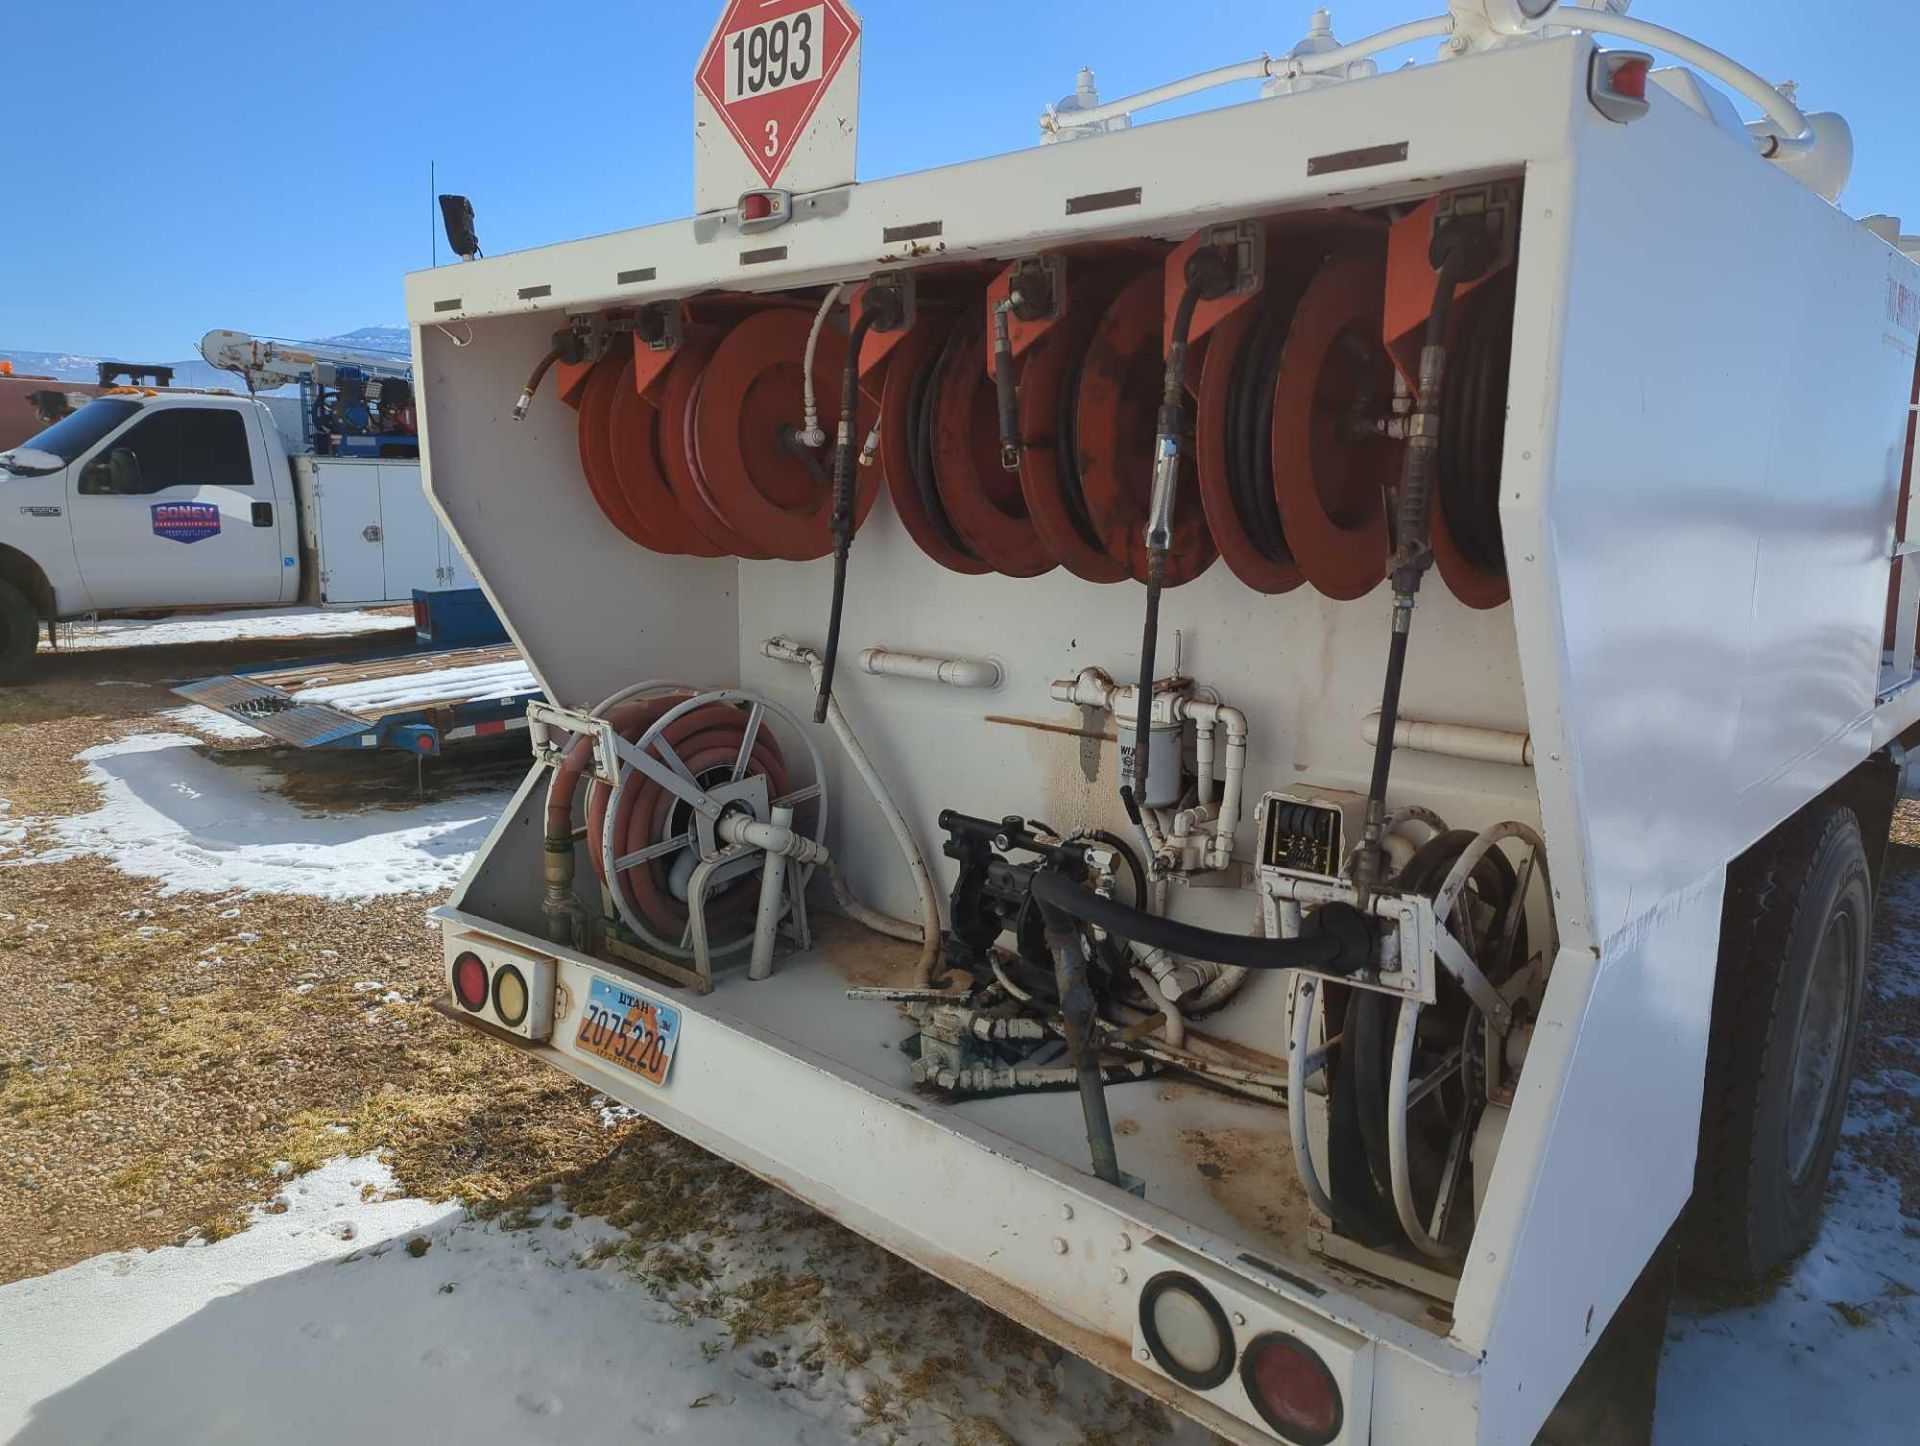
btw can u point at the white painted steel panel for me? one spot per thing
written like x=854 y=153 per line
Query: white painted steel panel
x=1189 y=170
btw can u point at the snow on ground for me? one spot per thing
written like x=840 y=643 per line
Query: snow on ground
x=479 y=683
x=1832 y=1355
x=343 y=1321
x=170 y=812
x=62 y=1328
x=217 y=726
x=222 y=627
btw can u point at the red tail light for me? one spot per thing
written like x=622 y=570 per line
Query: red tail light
x=1293 y=1390
x=1630 y=77
x=470 y=983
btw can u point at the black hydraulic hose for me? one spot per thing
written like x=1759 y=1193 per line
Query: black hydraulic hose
x=1413 y=556
x=1067 y=443
x=1342 y=941
x=922 y=404
x=1249 y=433
x=845 y=455
x=1134 y=794
x=1204 y=278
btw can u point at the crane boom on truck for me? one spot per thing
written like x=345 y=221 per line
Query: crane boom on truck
x=355 y=401
x=268 y=362
x=1449 y=600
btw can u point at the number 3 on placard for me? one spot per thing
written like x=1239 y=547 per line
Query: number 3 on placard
x=773 y=139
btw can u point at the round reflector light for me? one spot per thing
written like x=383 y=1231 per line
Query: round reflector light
x=510 y=996
x=470 y=983
x=1187 y=1331
x=1292 y=1389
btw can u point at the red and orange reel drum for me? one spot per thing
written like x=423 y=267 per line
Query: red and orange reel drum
x=1233 y=427
x=596 y=401
x=907 y=396
x=983 y=500
x=1052 y=357
x=679 y=402
x=635 y=430
x=1116 y=420
x=766 y=489
x=1467 y=546
x=1332 y=479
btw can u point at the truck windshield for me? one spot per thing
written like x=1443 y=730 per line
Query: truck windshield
x=73 y=434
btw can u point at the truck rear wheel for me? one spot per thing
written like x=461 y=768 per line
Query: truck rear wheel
x=19 y=634
x=1786 y=1013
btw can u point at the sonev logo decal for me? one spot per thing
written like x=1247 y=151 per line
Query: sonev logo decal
x=186 y=521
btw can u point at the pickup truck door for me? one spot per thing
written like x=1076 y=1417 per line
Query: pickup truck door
x=179 y=509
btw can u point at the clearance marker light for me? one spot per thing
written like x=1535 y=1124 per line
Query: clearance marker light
x=510 y=996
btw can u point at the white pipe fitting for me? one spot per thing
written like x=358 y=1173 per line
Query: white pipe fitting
x=1455 y=740
x=772 y=838
x=1094 y=688
x=954 y=672
x=773 y=889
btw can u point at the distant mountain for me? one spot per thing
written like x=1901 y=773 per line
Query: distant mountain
x=193 y=372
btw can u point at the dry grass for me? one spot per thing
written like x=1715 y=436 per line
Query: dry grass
x=162 y=1057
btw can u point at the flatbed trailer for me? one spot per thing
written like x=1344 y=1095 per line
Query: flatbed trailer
x=1336 y=1065
x=415 y=702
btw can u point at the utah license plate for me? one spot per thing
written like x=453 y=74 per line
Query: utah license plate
x=628 y=1029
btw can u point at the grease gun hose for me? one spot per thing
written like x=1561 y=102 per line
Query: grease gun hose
x=844 y=456
x=538 y=375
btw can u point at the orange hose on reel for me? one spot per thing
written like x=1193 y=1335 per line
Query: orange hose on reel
x=708 y=742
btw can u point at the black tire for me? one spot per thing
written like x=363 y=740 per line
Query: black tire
x=1788 y=995
x=19 y=635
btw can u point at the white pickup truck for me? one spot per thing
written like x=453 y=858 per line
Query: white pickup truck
x=173 y=500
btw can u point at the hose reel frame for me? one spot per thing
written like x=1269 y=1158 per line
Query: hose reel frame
x=638 y=760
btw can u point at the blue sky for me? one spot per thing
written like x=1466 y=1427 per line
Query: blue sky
x=168 y=168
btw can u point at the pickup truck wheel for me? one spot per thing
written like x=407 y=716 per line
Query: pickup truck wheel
x=1787 y=1001
x=19 y=634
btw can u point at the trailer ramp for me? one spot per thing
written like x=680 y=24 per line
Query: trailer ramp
x=414 y=701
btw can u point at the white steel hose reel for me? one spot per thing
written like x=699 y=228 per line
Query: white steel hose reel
x=1408 y=1079
x=699 y=801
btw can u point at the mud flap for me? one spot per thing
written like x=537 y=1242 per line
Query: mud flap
x=1610 y=1402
